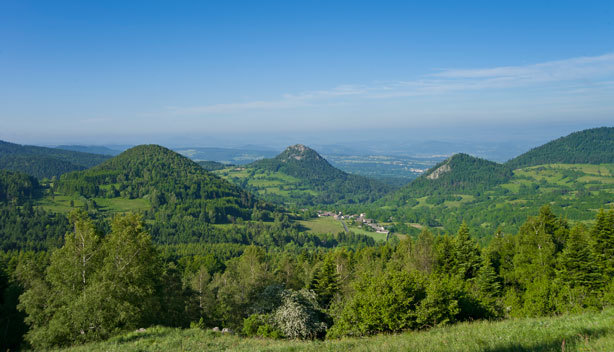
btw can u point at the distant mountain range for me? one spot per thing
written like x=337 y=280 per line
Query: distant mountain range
x=574 y=174
x=92 y=149
x=236 y=156
x=42 y=162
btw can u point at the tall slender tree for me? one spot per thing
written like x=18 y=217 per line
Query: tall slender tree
x=602 y=238
x=466 y=254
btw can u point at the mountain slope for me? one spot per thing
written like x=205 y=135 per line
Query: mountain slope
x=459 y=173
x=212 y=165
x=572 y=177
x=166 y=179
x=592 y=146
x=302 y=162
x=300 y=176
x=16 y=187
x=44 y=162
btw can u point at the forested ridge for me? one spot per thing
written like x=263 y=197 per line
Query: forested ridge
x=592 y=146
x=44 y=162
x=168 y=180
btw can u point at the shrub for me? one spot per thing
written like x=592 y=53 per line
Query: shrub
x=300 y=316
x=261 y=325
x=383 y=303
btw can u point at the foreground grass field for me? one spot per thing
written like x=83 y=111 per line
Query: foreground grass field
x=585 y=332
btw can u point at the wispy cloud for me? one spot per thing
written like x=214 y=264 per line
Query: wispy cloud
x=594 y=72
x=287 y=101
x=237 y=107
x=547 y=71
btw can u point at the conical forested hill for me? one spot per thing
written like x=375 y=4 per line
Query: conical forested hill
x=302 y=162
x=44 y=162
x=164 y=178
x=435 y=198
x=592 y=146
x=301 y=176
x=460 y=172
x=572 y=174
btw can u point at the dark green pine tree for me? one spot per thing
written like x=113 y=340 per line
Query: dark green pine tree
x=576 y=263
x=488 y=287
x=602 y=236
x=325 y=282
x=466 y=254
x=444 y=248
x=556 y=227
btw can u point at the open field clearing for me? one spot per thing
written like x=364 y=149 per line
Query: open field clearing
x=585 y=332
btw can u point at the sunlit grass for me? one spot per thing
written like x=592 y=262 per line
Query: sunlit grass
x=61 y=203
x=585 y=332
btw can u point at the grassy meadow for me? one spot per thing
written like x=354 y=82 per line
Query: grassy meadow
x=584 y=332
x=575 y=191
x=264 y=182
x=327 y=224
x=61 y=203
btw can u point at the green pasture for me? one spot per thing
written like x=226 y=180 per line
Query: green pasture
x=569 y=333
x=61 y=203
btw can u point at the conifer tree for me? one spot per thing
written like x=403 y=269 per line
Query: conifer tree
x=555 y=227
x=445 y=255
x=602 y=236
x=576 y=264
x=325 y=282
x=466 y=254
x=489 y=287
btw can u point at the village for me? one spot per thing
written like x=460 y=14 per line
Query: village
x=359 y=219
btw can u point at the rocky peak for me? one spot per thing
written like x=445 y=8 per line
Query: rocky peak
x=439 y=171
x=299 y=152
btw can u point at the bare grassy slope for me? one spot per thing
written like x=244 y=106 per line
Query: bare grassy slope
x=585 y=332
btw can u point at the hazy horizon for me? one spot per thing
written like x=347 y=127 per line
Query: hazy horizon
x=340 y=73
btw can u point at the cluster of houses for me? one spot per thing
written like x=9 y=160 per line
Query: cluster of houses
x=358 y=218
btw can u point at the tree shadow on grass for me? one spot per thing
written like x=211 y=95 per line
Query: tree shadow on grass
x=301 y=228
x=580 y=337
x=134 y=336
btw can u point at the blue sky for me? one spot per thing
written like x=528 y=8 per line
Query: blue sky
x=230 y=72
